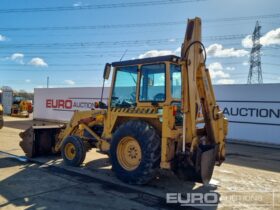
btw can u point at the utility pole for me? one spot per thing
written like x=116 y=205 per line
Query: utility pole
x=255 y=71
x=48 y=81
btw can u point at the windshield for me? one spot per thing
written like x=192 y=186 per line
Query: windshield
x=124 y=92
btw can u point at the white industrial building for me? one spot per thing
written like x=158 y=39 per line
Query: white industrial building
x=253 y=110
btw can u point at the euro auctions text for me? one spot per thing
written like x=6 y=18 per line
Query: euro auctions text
x=228 y=199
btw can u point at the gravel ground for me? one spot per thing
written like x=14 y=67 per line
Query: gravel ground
x=249 y=179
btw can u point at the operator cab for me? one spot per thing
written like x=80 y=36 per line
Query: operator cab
x=144 y=82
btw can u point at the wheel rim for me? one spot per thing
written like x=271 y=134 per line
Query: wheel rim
x=129 y=153
x=70 y=151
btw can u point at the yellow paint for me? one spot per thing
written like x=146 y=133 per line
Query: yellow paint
x=129 y=153
x=70 y=151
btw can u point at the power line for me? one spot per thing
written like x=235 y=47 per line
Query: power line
x=272 y=64
x=80 y=52
x=89 y=65
x=48 y=70
x=254 y=17
x=135 y=25
x=114 y=43
x=99 y=6
x=89 y=44
x=57 y=65
x=93 y=27
x=100 y=70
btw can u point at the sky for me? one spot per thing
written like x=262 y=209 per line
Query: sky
x=70 y=41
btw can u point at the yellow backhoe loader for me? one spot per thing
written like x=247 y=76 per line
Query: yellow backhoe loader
x=161 y=114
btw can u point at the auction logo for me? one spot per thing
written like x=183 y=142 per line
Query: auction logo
x=193 y=199
x=252 y=112
x=239 y=199
x=68 y=104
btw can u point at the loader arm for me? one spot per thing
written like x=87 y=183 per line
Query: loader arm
x=197 y=93
x=81 y=118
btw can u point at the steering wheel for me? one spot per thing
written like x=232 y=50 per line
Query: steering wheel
x=159 y=97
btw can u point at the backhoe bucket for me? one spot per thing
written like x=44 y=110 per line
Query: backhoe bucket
x=39 y=140
x=197 y=168
x=207 y=155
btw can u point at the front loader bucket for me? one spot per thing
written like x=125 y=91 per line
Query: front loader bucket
x=206 y=157
x=39 y=140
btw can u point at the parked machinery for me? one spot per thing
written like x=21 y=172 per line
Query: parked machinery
x=21 y=107
x=161 y=113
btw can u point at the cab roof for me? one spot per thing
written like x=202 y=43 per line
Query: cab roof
x=146 y=60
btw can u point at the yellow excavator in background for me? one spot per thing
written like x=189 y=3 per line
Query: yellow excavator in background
x=161 y=114
x=21 y=107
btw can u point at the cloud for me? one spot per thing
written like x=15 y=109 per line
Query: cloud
x=225 y=81
x=247 y=42
x=27 y=80
x=217 y=50
x=77 y=4
x=177 y=51
x=38 y=62
x=17 y=57
x=245 y=63
x=270 y=38
x=2 y=38
x=229 y=68
x=172 y=40
x=216 y=71
x=155 y=53
x=69 y=82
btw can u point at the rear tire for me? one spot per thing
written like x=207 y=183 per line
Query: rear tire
x=73 y=151
x=138 y=135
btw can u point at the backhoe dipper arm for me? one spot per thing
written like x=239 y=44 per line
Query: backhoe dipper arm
x=197 y=92
x=190 y=53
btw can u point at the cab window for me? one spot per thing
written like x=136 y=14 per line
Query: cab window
x=124 y=91
x=175 y=77
x=152 y=84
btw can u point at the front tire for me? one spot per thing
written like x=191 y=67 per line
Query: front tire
x=73 y=151
x=135 y=152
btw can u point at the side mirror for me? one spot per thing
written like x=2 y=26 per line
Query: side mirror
x=107 y=70
x=100 y=105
